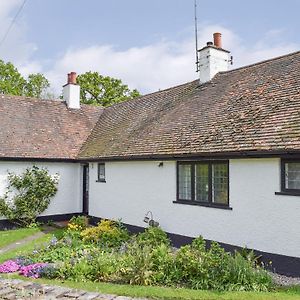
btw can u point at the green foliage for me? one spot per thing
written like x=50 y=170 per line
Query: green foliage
x=36 y=85
x=28 y=195
x=78 y=223
x=139 y=261
x=103 y=90
x=250 y=256
x=107 y=233
x=12 y=82
x=153 y=236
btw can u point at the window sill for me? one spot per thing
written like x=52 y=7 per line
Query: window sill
x=103 y=181
x=288 y=193
x=212 y=205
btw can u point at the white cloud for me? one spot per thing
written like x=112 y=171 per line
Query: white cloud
x=165 y=63
x=15 y=47
x=148 y=68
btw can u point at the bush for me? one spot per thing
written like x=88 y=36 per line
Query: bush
x=153 y=236
x=28 y=195
x=78 y=223
x=107 y=234
x=148 y=259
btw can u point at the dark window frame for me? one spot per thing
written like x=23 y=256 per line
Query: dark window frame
x=283 y=188
x=200 y=203
x=98 y=173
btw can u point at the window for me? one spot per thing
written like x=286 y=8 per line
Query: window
x=101 y=172
x=290 y=176
x=203 y=183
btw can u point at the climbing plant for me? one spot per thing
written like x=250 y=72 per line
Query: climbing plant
x=28 y=195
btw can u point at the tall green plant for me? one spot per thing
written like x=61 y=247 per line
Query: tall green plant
x=28 y=195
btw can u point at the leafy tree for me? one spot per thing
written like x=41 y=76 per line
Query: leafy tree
x=13 y=83
x=103 y=90
x=36 y=85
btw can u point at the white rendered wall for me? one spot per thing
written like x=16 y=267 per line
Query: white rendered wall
x=68 y=197
x=71 y=94
x=212 y=61
x=259 y=219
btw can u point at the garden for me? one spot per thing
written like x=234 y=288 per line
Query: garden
x=109 y=258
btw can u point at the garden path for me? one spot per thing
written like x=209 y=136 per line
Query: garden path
x=18 y=289
x=26 y=240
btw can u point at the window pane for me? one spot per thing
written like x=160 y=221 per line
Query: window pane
x=292 y=175
x=184 y=181
x=201 y=182
x=101 y=172
x=220 y=183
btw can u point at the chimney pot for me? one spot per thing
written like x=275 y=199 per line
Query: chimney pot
x=218 y=39
x=72 y=78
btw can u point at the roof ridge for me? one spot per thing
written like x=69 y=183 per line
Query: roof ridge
x=48 y=101
x=18 y=97
x=261 y=62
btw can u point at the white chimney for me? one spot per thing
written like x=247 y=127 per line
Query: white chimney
x=71 y=92
x=213 y=59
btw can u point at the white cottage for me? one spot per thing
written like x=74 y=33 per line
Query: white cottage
x=218 y=158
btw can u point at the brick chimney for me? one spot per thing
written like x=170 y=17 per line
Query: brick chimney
x=71 y=92
x=213 y=59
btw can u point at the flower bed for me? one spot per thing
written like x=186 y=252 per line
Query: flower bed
x=31 y=270
x=108 y=253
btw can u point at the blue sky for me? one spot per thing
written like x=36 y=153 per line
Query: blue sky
x=148 y=44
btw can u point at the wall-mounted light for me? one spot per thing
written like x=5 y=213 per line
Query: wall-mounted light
x=160 y=164
x=149 y=219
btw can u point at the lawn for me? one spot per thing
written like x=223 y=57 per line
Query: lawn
x=10 y=236
x=155 y=292
x=28 y=247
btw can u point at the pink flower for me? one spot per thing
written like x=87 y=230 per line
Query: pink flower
x=9 y=266
x=32 y=271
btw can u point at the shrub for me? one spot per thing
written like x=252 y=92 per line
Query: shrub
x=107 y=233
x=148 y=259
x=78 y=223
x=153 y=236
x=244 y=276
x=28 y=195
x=137 y=265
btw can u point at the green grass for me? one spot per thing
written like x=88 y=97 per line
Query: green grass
x=10 y=236
x=27 y=248
x=169 y=293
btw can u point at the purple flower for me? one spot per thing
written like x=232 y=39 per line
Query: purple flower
x=53 y=241
x=9 y=266
x=33 y=270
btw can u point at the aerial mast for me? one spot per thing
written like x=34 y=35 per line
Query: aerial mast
x=196 y=36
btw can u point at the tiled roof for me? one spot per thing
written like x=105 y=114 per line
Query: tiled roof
x=254 y=108
x=43 y=129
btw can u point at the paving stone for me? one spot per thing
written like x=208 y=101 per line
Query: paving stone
x=106 y=297
x=88 y=296
x=33 y=287
x=24 y=284
x=4 y=291
x=47 y=289
x=10 y=296
x=75 y=293
x=14 y=289
x=58 y=292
